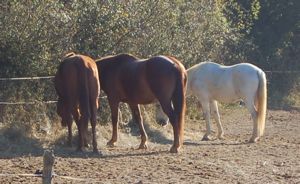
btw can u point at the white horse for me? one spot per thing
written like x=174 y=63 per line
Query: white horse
x=211 y=82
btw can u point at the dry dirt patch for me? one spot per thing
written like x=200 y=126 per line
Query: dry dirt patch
x=275 y=159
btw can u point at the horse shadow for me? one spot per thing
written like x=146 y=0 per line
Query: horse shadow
x=62 y=149
x=65 y=152
x=15 y=143
x=154 y=135
x=210 y=143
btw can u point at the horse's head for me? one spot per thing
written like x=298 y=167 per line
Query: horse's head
x=161 y=118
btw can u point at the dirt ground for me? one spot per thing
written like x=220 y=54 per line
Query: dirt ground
x=274 y=159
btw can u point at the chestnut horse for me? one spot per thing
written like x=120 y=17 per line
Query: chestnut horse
x=77 y=85
x=125 y=78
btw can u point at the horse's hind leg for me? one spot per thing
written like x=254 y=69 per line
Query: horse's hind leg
x=137 y=116
x=93 y=124
x=114 y=106
x=252 y=109
x=215 y=111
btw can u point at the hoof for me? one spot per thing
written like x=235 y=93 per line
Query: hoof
x=110 y=144
x=174 y=150
x=97 y=152
x=143 y=146
x=79 y=150
x=221 y=137
x=253 y=140
x=205 y=138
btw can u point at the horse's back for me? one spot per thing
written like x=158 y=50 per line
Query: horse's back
x=150 y=78
x=223 y=83
x=209 y=78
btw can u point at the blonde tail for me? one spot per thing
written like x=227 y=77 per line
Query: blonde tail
x=262 y=102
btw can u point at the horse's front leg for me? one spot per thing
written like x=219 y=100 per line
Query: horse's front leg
x=114 y=106
x=136 y=113
x=69 y=122
x=76 y=116
x=80 y=135
x=206 y=113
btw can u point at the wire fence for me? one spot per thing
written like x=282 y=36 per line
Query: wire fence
x=26 y=78
x=35 y=102
x=55 y=101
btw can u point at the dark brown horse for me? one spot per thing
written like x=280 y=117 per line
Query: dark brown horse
x=77 y=85
x=125 y=78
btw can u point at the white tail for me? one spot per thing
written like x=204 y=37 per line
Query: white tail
x=262 y=102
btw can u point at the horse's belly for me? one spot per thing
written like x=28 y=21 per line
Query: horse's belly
x=139 y=96
x=144 y=97
x=144 y=100
x=226 y=96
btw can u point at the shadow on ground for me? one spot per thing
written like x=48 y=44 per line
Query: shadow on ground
x=14 y=143
x=154 y=135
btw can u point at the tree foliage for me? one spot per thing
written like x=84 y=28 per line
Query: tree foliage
x=34 y=35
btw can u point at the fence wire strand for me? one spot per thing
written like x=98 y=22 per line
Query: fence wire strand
x=55 y=101
x=28 y=103
x=26 y=78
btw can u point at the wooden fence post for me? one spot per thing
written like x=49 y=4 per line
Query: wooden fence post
x=48 y=160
